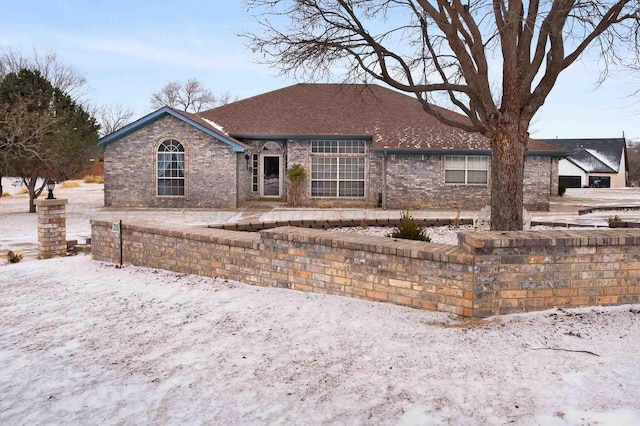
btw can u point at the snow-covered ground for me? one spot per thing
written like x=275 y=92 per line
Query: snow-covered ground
x=82 y=342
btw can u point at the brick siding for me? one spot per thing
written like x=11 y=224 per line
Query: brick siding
x=218 y=178
x=130 y=168
x=488 y=273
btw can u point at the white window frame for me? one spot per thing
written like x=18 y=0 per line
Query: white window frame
x=183 y=178
x=280 y=175
x=255 y=168
x=467 y=168
x=341 y=151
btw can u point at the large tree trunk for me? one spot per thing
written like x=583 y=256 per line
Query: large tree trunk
x=508 y=146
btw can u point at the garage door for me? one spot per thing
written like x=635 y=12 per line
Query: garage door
x=570 y=181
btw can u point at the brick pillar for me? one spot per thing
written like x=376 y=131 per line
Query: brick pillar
x=52 y=228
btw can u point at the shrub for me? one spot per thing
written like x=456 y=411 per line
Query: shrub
x=408 y=229
x=615 y=218
x=562 y=188
x=456 y=221
x=93 y=179
x=13 y=257
x=297 y=175
x=69 y=184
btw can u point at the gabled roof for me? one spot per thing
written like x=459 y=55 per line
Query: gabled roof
x=593 y=155
x=188 y=118
x=589 y=163
x=394 y=121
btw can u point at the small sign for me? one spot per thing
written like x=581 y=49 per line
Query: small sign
x=115 y=227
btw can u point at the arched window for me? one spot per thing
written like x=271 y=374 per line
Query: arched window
x=170 y=168
x=271 y=146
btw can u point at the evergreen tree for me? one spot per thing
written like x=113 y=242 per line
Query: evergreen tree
x=42 y=129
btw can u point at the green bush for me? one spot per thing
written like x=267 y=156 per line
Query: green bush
x=615 y=218
x=562 y=188
x=13 y=257
x=408 y=229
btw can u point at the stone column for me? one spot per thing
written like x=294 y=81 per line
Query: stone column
x=52 y=228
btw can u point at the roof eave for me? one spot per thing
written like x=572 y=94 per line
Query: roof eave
x=433 y=151
x=444 y=151
x=545 y=154
x=158 y=114
x=267 y=136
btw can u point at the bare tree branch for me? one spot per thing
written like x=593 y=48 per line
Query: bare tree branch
x=435 y=48
x=62 y=76
x=189 y=96
x=112 y=118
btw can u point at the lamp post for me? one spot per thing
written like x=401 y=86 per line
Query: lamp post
x=50 y=183
x=52 y=224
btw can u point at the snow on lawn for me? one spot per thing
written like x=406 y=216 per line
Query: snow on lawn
x=437 y=234
x=82 y=342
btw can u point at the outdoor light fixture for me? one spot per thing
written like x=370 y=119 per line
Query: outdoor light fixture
x=50 y=183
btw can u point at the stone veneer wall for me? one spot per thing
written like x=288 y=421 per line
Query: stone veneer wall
x=130 y=168
x=489 y=273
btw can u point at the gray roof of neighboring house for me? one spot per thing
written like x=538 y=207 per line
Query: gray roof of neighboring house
x=593 y=155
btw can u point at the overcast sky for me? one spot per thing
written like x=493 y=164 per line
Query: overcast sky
x=129 y=49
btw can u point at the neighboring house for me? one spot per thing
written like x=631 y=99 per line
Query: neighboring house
x=596 y=163
x=363 y=145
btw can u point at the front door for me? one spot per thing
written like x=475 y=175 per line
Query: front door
x=271 y=176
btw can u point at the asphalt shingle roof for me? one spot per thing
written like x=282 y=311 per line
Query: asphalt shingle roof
x=593 y=155
x=393 y=120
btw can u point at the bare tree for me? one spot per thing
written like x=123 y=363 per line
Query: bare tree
x=21 y=130
x=62 y=76
x=112 y=118
x=457 y=50
x=189 y=96
x=225 y=98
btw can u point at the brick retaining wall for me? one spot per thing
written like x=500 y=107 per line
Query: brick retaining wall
x=489 y=273
x=535 y=270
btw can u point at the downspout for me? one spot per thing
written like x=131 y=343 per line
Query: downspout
x=384 y=180
x=551 y=176
x=238 y=160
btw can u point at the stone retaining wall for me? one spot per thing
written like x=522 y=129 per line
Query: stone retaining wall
x=488 y=273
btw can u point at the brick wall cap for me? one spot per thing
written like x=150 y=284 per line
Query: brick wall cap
x=478 y=241
x=55 y=202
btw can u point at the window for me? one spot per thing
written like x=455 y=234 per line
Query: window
x=337 y=168
x=338 y=147
x=254 y=170
x=170 y=165
x=466 y=169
